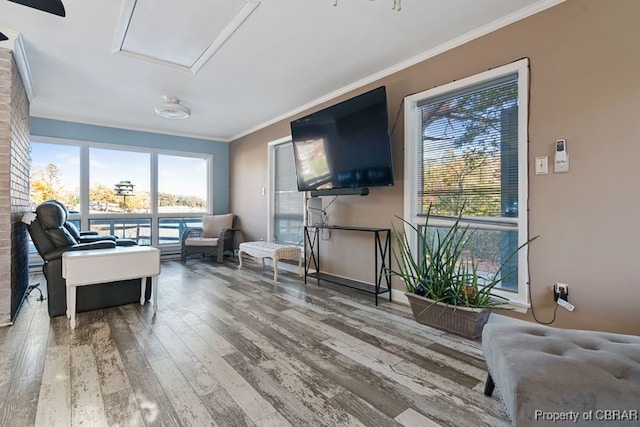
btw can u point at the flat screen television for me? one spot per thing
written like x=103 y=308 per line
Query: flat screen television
x=345 y=148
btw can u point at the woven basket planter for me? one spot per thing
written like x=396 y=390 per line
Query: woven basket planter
x=464 y=321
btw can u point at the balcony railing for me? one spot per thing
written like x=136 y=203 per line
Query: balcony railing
x=139 y=229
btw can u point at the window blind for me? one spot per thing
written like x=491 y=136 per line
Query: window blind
x=288 y=215
x=468 y=156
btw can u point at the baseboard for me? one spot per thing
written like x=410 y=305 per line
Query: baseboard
x=399 y=297
x=500 y=318
x=282 y=265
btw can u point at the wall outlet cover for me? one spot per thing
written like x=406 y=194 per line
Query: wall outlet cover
x=542 y=165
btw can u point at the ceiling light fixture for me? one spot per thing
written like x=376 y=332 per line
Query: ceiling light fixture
x=172 y=109
x=395 y=4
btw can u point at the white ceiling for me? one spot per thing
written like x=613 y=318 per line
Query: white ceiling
x=285 y=56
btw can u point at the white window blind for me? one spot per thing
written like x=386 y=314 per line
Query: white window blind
x=469 y=151
x=288 y=202
x=466 y=154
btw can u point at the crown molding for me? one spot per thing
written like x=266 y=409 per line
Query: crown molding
x=458 y=41
x=23 y=67
x=16 y=45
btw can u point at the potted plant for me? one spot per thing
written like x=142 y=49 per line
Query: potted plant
x=444 y=285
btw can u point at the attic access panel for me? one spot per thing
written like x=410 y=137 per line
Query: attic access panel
x=178 y=34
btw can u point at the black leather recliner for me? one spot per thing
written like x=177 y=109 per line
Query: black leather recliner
x=52 y=239
x=88 y=236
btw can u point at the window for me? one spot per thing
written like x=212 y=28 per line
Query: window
x=55 y=174
x=286 y=215
x=467 y=154
x=138 y=229
x=119 y=181
x=139 y=193
x=182 y=184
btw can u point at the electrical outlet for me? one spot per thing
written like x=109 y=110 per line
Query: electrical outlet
x=563 y=288
x=561 y=291
x=561 y=296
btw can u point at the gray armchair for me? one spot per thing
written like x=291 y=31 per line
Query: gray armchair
x=214 y=238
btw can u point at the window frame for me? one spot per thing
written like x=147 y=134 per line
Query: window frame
x=520 y=299
x=271 y=159
x=84 y=169
x=85 y=202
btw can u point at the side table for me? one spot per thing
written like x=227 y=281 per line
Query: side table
x=80 y=268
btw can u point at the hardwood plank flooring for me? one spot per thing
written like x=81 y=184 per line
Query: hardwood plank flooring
x=231 y=347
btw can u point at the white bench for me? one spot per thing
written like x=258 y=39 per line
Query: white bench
x=274 y=251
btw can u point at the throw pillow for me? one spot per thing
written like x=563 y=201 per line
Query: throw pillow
x=213 y=224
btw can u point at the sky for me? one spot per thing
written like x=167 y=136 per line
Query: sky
x=177 y=175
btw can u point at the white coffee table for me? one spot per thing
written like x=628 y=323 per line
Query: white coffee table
x=89 y=267
x=275 y=251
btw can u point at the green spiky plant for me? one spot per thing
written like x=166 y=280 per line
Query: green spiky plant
x=442 y=273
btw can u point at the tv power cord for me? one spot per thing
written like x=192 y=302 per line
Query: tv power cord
x=37 y=288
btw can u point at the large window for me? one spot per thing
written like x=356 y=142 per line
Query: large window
x=119 y=181
x=182 y=183
x=144 y=194
x=55 y=174
x=467 y=155
x=286 y=213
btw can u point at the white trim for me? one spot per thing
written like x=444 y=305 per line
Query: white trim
x=286 y=266
x=153 y=198
x=520 y=300
x=225 y=34
x=85 y=184
x=124 y=21
x=271 y=181
x=23 y=67
x=16 y=45
x=116 y=146
x=120 y=32
x=399 y=297
x=269 y=191
x=458 y=41
x=153 y=215
x=156 y=131
x=500 y=318
x=451 y=44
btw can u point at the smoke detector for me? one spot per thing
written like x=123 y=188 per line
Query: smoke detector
x=172 y=109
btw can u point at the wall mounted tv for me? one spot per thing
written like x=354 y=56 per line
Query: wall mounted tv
x=345 y=148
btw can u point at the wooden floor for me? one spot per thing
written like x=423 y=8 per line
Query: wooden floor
x=231 y=347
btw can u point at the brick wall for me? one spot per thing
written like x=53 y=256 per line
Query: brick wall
x=14 y=187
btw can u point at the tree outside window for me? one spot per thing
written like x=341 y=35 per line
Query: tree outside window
x=55 y=174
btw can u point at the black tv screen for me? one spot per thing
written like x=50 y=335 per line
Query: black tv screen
x=345 y=146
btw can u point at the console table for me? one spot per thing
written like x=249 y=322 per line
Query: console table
x=382 y=259
x=93 y=266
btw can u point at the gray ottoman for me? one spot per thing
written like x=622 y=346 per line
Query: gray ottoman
x=563 y=377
